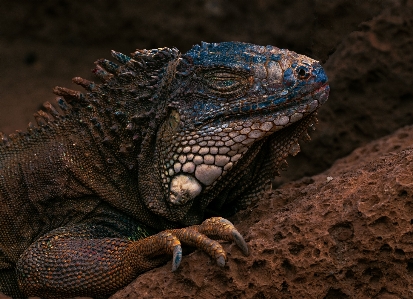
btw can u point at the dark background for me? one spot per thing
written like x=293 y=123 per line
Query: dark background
x=46 y=43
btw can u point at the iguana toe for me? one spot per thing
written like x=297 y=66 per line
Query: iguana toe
x=191 y=236
x=221 y=228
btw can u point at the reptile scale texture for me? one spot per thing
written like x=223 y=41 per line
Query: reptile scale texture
x=110 y=182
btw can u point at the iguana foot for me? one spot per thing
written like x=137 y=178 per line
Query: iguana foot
x=200 y=236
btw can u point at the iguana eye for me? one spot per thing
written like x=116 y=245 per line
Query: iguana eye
x=226 y=83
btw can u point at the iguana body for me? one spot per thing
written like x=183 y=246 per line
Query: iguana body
x=164 y=141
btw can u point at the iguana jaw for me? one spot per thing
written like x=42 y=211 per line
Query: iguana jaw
x=196 y=164
x=199 y=162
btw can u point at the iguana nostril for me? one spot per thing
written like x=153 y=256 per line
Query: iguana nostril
x=302 y=73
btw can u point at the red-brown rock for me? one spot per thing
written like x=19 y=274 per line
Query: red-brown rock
x=346 y=233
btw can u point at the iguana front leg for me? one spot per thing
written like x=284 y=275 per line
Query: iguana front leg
x=81 y=261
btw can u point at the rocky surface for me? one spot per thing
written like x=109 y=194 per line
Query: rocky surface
x=345 y=233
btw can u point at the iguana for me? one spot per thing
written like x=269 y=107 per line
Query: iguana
x=111 y=181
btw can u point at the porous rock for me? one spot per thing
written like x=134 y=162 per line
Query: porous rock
x=345 y=233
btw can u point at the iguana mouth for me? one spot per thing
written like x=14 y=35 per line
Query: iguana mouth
x=269 y=106
x=325 y=88
x=276 y=102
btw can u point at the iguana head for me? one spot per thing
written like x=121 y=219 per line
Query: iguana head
x=224 y=99
x=193 y=125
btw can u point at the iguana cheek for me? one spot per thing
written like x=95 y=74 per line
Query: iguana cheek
x=200 y=158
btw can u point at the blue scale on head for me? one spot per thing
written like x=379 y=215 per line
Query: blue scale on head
x=259 y=59
x=236 y=109
x=223 y=54
x=276 y=100
x=299 y=85
x=320 y=75
x=264 y=104
x=289 y=78
x=246 y=108
x=275 y=57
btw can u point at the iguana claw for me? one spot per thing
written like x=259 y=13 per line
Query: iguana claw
x=239 y=240
x=201 y=236
x=177 y=257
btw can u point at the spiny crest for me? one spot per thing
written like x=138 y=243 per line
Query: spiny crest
x=143 y=69
x=44 y=120
x=144 y=65
x=134 y=77
x=139 y=74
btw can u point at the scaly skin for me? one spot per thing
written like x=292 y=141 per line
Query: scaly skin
x=110 y=185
